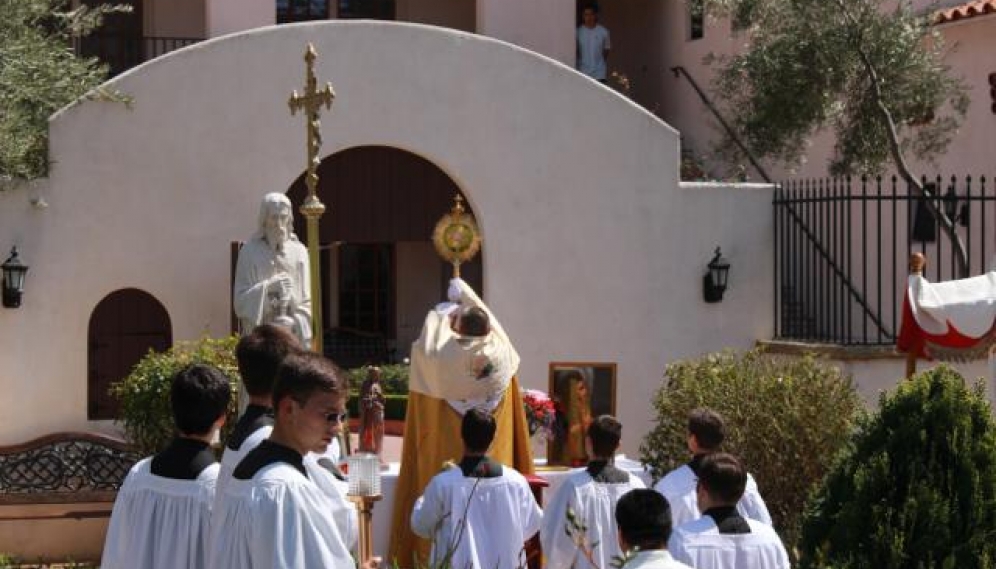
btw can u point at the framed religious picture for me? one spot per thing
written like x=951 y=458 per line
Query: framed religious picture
x=581 y=391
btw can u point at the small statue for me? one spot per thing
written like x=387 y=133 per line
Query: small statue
x=372 y=413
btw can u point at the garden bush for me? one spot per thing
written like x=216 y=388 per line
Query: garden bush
x=916 y=486
x=393 y=378
x=786 y=417
x=144 y=394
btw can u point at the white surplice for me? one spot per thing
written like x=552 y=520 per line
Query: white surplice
x=346 y=517
x=230 y=458
x=160 y=523
x=486 y=520
x=679 y=489
x=699 y=544
x=278 y=519
x=594 y=505
x=654 y=559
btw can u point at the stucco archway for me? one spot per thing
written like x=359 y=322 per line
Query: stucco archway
x=379 y=269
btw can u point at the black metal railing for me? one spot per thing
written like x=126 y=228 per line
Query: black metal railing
x=842 y=248
x=122 y=52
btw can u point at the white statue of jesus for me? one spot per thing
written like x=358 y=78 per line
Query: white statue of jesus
x=272 y=280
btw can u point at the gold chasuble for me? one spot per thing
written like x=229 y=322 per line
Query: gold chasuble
x=451 y=372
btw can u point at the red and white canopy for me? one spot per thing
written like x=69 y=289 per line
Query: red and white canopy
x=951 y=321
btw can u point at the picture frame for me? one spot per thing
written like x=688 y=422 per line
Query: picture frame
x=581 y=391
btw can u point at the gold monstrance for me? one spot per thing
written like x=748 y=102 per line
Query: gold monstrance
x=311 y=102
x=456 y=236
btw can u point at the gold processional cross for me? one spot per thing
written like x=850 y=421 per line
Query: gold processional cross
x=311 y=102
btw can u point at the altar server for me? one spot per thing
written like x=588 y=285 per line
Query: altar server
x=259 y=355
x=722 y=538
x=706 y=431
x=591 y=495
x=644 y=521
x=162 y=513
x=274 y=512
x=478 y=514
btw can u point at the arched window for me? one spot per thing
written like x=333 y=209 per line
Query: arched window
x=124 y=326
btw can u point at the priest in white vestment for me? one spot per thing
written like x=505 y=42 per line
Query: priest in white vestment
x=481 y=512
x=162 y=514
x=463 y=359
x=279 y=510
x=644 y=522
x=591 y=494
x=706 y=431
x=272 y=278
x=722 y=538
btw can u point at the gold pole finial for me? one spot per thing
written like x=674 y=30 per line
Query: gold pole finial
x=310 y=102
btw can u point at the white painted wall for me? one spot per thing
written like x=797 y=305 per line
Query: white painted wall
x=231 y=16
x=543 y=26
x=418 y=289
x=594 y=251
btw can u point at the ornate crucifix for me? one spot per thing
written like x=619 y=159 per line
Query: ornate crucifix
x=311 y=102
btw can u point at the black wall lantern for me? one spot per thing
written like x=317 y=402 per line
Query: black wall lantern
x=714 y=282
x=13 y=279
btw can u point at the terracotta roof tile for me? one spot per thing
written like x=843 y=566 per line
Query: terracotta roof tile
x=965 y=11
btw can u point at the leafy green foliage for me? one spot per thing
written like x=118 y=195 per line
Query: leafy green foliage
x=144 y=394
x=39 y=74
x=813 y=64
x=916 y=487
x=785 y=417
x=393 y=377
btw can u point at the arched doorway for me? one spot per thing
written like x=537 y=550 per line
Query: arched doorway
x=124 y=326
x=380 y=273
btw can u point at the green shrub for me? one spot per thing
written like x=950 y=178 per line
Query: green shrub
x=393 y=377
x=144 y=394
x=394 y=406
x=785 y=417
x=916 y=486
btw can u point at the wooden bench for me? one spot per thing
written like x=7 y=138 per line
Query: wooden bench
x=74 y=475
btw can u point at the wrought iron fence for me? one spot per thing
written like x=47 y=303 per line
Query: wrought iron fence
x=842 y=247
x=122 y=52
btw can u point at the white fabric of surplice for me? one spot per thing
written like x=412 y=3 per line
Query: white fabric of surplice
x=699 y=544
x=231 y=458
x=278 y=519
x=969 y=305
x=594 y=505
x=447 y=365
x=347 y=520
x=486 y=520
x=655 y=559
x=679 y=489
x=160 y=523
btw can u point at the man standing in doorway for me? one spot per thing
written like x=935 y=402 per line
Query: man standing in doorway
x=593 y=44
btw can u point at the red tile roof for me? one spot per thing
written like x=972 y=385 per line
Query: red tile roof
x=965 y=11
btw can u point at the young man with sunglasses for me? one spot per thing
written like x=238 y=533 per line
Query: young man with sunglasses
x=275 y=511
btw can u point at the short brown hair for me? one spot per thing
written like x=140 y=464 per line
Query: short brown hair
x=724 y=477
x=259 y=355
x=474 y=321
x=708 y=427
x=304 y=373
x=605 y=433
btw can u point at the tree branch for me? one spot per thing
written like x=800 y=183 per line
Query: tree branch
x=897 y=154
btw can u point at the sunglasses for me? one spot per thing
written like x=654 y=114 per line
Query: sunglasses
x=337 y=417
